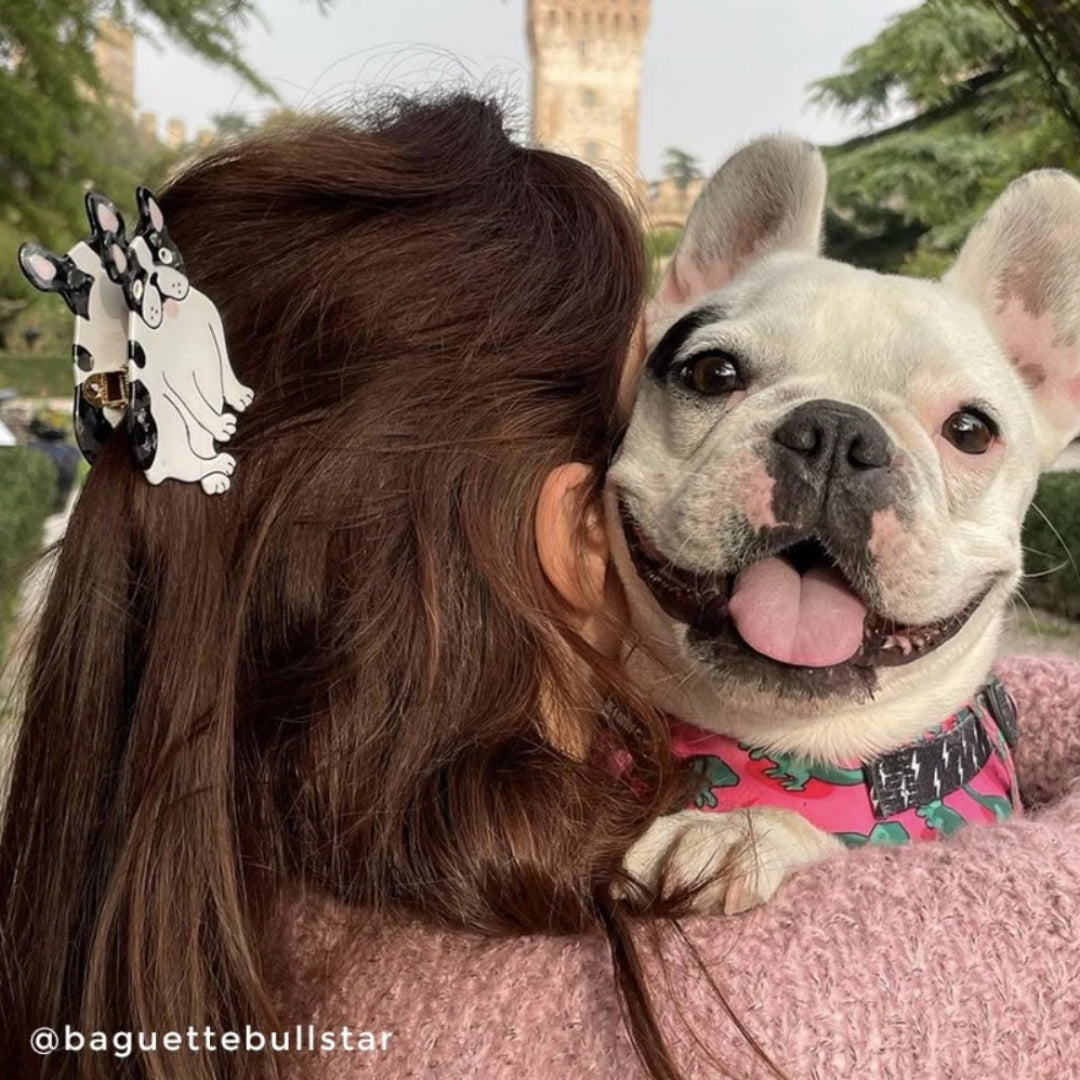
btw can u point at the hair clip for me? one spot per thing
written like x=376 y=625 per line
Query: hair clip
x=149 y=349
x=100 y=349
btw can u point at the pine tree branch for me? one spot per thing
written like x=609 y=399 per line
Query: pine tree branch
x=1049 y=30
x=969 y=90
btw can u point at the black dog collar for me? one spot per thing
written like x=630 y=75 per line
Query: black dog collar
x=932 y=768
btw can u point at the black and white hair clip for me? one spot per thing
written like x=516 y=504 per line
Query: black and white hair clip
x=149 y=349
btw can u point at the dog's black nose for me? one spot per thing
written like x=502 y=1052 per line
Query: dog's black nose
x=834 y=439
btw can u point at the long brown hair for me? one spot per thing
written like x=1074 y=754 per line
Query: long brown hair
x=337 y=673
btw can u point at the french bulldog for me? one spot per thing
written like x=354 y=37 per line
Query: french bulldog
x=96 y=299
x=181 y=377
x=817 y=505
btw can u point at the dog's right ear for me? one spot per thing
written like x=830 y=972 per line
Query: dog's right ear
x=44 y=269
x=1021 y=268
x=769 y=196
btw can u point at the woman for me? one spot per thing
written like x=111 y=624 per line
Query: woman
x=375 y=681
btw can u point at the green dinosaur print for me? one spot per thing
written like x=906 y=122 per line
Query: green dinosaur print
x=717 y=774
x=1000 y=806
x=941 y=818
x=795 y=773
x=886 y=832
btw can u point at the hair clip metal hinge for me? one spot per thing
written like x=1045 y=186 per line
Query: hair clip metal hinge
x=106 y=390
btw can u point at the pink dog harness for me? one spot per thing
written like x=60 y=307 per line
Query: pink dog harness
x=959 y=771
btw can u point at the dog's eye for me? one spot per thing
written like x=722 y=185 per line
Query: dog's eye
x=165 y=255
x=970 y=431
x=712 y=374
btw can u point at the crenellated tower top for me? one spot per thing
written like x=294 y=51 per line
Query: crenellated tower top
x=586 y=57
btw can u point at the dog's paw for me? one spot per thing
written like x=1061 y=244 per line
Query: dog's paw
x=240 y=397
x=223 y=427
x=753 y=850
x=215 y=484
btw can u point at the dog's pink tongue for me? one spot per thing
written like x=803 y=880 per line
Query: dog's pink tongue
x=809 y=620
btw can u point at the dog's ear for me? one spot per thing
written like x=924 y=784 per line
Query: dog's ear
x=44 y=269
x=1021 y=267
x=114 y=258
x=769 y=196
x=150 y=215
x=105 y=219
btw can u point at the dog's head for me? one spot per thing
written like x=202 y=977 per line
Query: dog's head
x=151 y=269
x=74 y=273
x=71 y=275
x=819 y=497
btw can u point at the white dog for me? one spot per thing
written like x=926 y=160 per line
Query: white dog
x=181 y=378
x=100 y=349
x=817 y=510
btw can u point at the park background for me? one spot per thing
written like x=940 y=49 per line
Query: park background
x=925 y=113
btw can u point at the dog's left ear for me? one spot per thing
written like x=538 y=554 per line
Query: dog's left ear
x=769 y=196
x=1021 y=268
x=150 y=216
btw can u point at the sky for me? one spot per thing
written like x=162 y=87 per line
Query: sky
x=716 y=72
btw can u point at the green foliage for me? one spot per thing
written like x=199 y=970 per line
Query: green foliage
x=921 y=56
x=44 y=375
x=60 y=137
x=232 y=125
x=681 y=167
x=1052 y=546
x=660 y=244
x=982 y=112
x=1052 y=30
x=27 y=490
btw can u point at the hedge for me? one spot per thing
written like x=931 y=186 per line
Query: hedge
x=1052 y=546
x=27 y=491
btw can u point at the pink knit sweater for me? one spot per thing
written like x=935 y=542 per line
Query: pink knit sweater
x=955 y=959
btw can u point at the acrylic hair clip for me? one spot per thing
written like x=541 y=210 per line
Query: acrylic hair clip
x=149 y=348
x=100 y=349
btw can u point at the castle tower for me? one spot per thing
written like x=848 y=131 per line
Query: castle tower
x=114 y=53
x=586 y=62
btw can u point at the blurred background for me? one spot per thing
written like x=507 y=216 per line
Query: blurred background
x=926 y=111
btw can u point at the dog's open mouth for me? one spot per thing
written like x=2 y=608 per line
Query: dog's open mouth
x=795 y=607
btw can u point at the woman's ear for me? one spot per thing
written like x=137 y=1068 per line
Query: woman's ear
x=573 y=548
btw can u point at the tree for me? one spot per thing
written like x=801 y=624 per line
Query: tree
x=58 y=134
x=978 y=109
x=232 y=125
x=681 y=167
x=1052 y=31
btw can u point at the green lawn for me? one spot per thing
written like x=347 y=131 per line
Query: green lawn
x=27 y=491
x=37 y=375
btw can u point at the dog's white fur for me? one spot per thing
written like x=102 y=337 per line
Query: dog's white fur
x=1003 y=327
x=187 y=372
x=103 y=331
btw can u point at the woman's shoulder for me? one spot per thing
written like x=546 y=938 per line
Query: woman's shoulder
x=452 y=1003
x=1046 y=690
x=871 y=965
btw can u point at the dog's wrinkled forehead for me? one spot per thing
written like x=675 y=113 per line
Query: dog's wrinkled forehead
x=867 y=337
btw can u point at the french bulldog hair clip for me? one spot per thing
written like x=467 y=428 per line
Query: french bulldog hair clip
x=149 y=350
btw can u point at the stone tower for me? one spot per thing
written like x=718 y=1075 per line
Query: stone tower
x=114 y=53
x=586 y=66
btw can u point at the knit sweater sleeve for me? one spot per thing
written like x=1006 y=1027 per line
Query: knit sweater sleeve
x=950 y=959
x=1047 y=695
